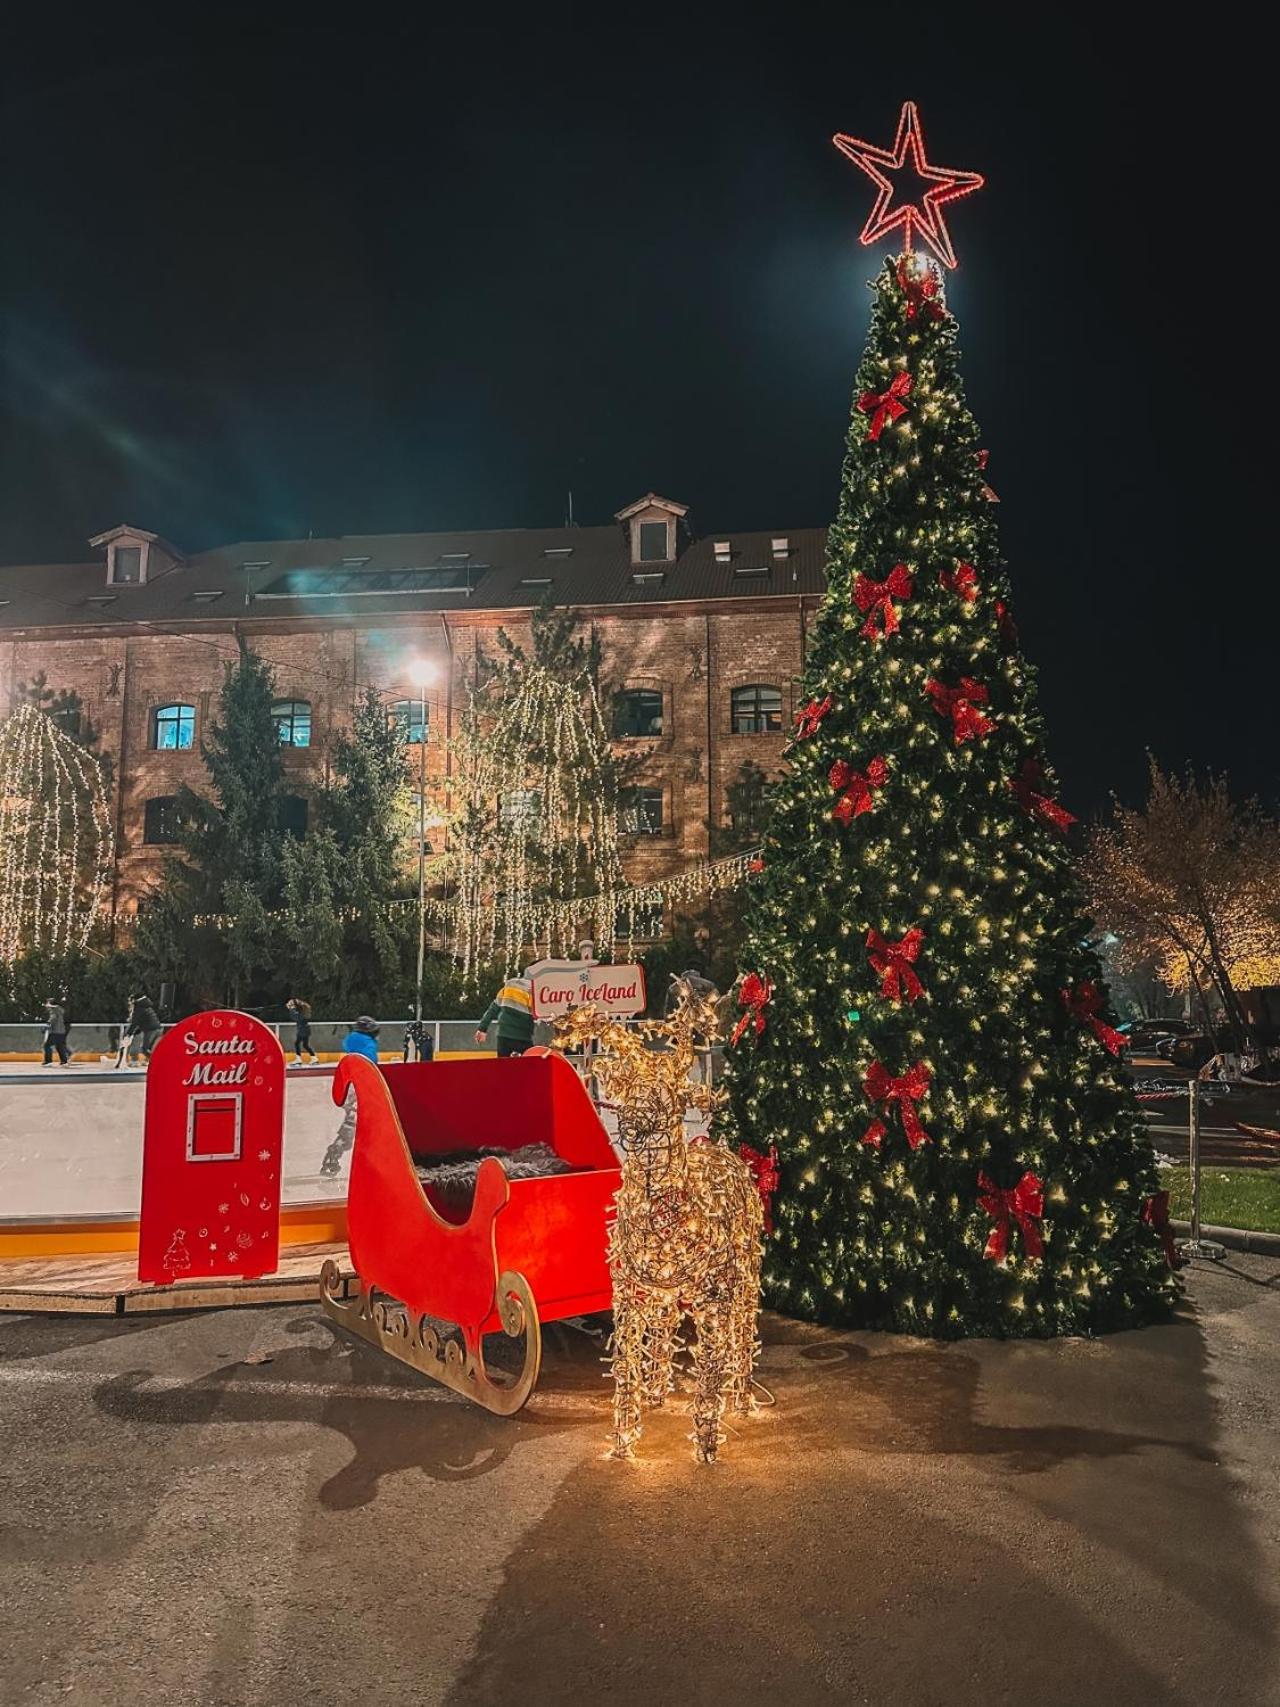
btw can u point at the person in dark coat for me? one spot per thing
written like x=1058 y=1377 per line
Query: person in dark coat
x=143 y=1027
x=55 y=1032
x=301 y=1012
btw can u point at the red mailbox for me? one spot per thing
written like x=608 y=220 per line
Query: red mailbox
x=212 y=1150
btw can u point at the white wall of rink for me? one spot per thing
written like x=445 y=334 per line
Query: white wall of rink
x=71 y=1141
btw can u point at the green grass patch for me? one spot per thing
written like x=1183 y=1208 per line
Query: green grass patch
x=1229 y=1197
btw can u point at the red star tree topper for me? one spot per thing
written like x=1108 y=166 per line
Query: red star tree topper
x=924 y=217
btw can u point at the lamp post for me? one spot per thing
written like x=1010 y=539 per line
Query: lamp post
x=423 y=675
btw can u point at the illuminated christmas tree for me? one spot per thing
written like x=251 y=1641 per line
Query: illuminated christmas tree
x=921 y=1032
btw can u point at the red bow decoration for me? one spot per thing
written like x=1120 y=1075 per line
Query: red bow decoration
x=1085 y=1004
x=754 y=997
x=983 y=457
x=1026 y=785
x=1155 y=1214
x=963 y=579
x=756 y=864
x=1023 y=1203
x=764 y=1171
x=885 y=406
x=1008 y=629
x=876 y=597
x=894 y=962
x=809 y=717
x=906 y=1092
x=921 y=289
x=960 y=705
x=855 y=788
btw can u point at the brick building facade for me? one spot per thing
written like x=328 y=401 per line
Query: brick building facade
x=702 y=640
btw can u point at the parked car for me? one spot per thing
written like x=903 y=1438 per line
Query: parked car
x=1147 y=1033
x=1191 y=1050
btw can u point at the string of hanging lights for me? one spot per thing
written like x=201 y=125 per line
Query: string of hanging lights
x=56 y=839
x=560 y=921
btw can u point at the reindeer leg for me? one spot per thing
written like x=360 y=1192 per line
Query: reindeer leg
x=660 y=1342
x=746 y=1315
x=712 y=1320
x=629 y=1304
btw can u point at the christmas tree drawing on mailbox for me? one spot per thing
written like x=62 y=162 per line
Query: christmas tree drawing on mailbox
x=212 y=1148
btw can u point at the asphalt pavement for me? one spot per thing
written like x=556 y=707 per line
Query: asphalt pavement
x=247 y=1509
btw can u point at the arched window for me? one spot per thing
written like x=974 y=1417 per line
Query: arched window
x=756 y=710
x=292 y=718
x=637 y=711
x=293 y=815
x=173 y=728
x=640 y=812
x=160 y=821
x=411 y=717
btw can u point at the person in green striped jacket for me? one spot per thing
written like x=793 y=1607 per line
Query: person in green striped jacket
x=512 y=1009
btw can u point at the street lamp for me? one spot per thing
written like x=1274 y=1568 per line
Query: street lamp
x=422 y=673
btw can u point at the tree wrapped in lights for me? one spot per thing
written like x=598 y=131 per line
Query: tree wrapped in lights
x=537 y=803
x=924 y=1037
x=56 y=840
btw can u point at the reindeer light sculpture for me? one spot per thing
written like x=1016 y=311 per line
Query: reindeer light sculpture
x=685 y=1241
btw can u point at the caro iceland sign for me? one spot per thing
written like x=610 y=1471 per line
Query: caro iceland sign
x=559 y=985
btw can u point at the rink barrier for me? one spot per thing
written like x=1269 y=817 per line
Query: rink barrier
x=90 y=1041
x=93 y=1235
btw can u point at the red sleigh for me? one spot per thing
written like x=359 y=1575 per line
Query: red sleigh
x=522 y=1252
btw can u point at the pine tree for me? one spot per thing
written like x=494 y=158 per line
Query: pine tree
x=922 y=1038
x=230 y=867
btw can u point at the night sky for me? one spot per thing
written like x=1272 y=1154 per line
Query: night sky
x=263 y=277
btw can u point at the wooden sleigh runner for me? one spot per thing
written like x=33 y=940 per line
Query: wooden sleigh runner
x=520 y=1252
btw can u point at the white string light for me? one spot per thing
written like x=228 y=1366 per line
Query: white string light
x=56 y=840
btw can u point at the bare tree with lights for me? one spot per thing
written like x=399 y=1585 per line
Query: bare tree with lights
x=536 y=821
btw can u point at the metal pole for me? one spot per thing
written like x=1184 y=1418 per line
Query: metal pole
x=422 y=855
x=1193 y=1145
x=1209 y=1249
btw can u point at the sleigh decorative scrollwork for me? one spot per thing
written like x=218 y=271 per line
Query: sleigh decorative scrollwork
x=521 y=1251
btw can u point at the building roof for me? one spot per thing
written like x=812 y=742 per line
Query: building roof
x=377 y=575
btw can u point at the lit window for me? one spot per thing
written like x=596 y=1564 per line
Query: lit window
x=756 y=710
x=293 y=815
x=520 y=808
x=160 y=822
x=653 y=542
x=292 y=718
x=637 y=711
x=411 y=717
x=641 y=923
x=640 y=812
x=173 y=728
x=126 y=564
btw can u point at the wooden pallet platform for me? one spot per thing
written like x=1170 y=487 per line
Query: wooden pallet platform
x=108 y=1285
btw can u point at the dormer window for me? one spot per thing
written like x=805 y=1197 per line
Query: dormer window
x=652 y=525
x=653 y=542
x=135 y=557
